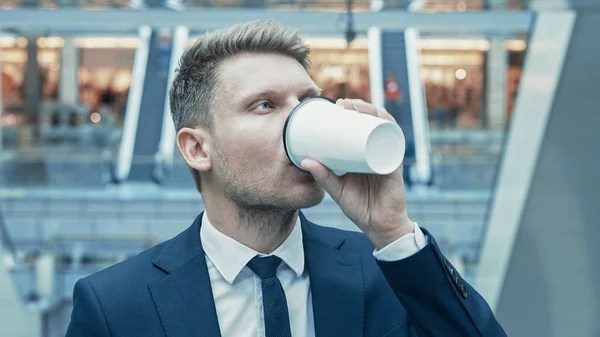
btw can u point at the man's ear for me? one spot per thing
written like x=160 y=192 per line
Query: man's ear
x=194 y=146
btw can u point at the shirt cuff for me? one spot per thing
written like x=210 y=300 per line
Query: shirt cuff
x=403 y=247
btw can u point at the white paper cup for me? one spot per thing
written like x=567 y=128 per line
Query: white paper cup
x=342 y=140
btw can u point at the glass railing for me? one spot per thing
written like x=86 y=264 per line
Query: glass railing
x=455 y=167
x=115 y=223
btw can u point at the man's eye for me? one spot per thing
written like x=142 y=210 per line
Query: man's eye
x=264 y=106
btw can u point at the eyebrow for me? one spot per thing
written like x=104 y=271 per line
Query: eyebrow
x=312 y=90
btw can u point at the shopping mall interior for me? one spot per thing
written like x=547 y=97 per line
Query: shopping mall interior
x=496 y=99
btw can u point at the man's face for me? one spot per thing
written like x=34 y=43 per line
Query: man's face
x=249 y=163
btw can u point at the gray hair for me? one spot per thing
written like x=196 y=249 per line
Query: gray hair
x=196 y=83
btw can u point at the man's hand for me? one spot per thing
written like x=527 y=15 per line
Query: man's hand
x=375 y=203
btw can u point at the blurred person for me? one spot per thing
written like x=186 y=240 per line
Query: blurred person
x=428 y=89
x=440 y=105
x=469 y=117
x=11 y=93
x=120 y=107
x=89 y=96
x=107 y=97
x=107 y=107
x=392 y=93
x=6 y=84
x=453 y=109
x=252 y=264
x=49 y=87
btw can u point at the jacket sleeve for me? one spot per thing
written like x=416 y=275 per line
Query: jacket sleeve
x=87 y=318
x=438 y=301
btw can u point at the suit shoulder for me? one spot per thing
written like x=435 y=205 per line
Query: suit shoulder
x=133 y=271
x=120 y=293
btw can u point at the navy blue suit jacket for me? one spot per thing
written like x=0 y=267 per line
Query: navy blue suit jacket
x=166 y=291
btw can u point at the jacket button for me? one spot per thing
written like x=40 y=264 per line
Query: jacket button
x=463 y=290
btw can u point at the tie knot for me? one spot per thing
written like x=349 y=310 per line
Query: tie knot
x=265 y=267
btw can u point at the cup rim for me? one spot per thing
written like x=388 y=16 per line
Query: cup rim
x=287 y=120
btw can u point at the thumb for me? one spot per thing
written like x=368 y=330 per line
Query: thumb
x=324 y=177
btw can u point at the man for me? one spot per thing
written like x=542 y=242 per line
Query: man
x=252 y=264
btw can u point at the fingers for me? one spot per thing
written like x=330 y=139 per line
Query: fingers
x=382 y=113
x=324 y=177
x=358 y=105
x=364 y=107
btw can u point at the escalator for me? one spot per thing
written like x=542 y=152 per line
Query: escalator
x=148 y=140
x=151 y=107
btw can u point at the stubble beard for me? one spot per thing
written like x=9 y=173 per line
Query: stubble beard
x=259 y=202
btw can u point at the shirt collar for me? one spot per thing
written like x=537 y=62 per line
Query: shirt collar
x=230 y=256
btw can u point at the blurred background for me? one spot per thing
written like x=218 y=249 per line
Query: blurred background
x=498 y=100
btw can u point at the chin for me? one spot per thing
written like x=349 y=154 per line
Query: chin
x=282 y=196
x=305 y=196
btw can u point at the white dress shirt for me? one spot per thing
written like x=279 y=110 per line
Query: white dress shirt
x=237 y=290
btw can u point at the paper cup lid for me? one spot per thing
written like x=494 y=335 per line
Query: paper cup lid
x=287 y=121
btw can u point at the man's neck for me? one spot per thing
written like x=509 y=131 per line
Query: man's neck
x=261 y=229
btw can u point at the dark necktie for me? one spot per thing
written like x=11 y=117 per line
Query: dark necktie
x=277 y=318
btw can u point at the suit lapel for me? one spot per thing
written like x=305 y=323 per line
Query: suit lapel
x=336 y=282
x=183 y=297
x=186 y=306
